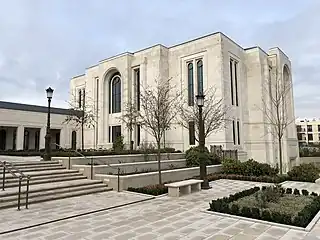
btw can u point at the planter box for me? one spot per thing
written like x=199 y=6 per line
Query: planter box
x=144 y=179
x=113 y=159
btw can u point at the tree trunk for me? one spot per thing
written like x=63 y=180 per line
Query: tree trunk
x=159 y=162
x=280 y=155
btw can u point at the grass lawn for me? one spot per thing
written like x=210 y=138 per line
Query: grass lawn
x=287 y=204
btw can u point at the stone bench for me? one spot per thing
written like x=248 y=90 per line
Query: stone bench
x=177 y=189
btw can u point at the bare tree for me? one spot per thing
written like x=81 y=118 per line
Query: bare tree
x=158 y=111
x=129 y=118
x=275 y=103
x=214 y=113
x=82 y=112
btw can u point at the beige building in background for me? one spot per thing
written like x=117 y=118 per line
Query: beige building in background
x=23 y=127
x=308 y=130
x=210 y=61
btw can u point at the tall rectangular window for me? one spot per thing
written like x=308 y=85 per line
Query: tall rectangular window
x=83 y=98
x=309 y=128
x=234 y=132
x=231 y=81
x=236 y=81
x=116 y=132
x=192 y=139
x=138 y=134
x=310 y=137
x=238 y=131
x=190 y=85
x=80 y=98
x=109 y=134
x=137 y=83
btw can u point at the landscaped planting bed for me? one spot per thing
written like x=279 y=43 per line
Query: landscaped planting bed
x=272 y=203
x=155 y=190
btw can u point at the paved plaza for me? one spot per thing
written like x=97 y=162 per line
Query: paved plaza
x=159 y=218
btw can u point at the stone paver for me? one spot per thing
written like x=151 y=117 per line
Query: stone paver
x=169 y=218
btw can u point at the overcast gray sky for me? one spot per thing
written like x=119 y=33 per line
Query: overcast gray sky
x=46 y=42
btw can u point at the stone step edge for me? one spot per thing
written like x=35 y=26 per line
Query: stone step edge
x=38 y=173
x=42 y=177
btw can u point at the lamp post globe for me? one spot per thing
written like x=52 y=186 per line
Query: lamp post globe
x=47 y=155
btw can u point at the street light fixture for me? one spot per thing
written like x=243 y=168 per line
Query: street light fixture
x=47 y=155
x=203 y=167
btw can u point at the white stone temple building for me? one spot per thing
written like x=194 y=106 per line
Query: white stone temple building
x=212 y=60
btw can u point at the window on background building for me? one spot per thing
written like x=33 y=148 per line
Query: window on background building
x=238 y=129
x=116 y=132
x=310 y=137
x=138 y=134
x=318 y=128
x=116 y=94
x=137 y=83
x=309 y=128
x=231 y=80
x=299 y=136
x=200 y=76
x=234 y=132
x=26 y=140
x=236 y=81
x=299 y=129
x=80 y=98
x=74 y=140
x=109 y=134
x=192 y=138
x=190 y=85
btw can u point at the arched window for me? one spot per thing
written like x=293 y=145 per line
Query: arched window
x=190 y=85
x=115 y=94
x=200 y=76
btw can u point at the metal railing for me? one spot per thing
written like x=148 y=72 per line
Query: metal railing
x=9 y=167
x=91 y=163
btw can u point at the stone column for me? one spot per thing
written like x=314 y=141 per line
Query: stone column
x=20 y=138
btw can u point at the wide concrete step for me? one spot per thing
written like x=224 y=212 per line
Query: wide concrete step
x=38 y=199
x=21 y=168
x=42 y=193
x=33 y=182
x=42 y=173
x=42 y=168
x=41 y=177
x=49 y=187
x=27 y=163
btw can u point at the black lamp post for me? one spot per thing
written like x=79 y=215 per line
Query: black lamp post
x=47 y=155
x=203 y=167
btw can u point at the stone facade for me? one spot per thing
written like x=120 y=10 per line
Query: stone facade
x=217 y=53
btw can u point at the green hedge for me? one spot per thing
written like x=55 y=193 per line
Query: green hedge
x=304 y=173
x=67 y=153
x=248 y=168
x=193 y=157
x=302 y=219
x=155 y=190
x=267 y=179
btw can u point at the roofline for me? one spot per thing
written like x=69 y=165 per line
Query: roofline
x=33 y=108
x=280 y=51
x=249 y=48
x=116 y=56
x=80 y=75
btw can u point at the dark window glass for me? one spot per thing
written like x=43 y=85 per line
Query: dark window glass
x=137 y=80
x=3 y=139
x=231 y=81
x=116 y=94
x=80 y=98
x=200 y=77
x=192 y=139
x=310 y=137
x=190 y=85
x=37 y=140
x=234 y=132
x=26 y=140
x=74 y=140
x=116 y=132
x=138 y=135
x=309 y=128
x=236 y=81
x=238 y=128
x=109 y=134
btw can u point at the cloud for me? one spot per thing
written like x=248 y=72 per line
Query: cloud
x=47 y=42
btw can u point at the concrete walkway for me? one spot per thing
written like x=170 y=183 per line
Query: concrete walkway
x=164 y=218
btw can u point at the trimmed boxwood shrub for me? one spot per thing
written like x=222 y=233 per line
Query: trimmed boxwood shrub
x=193 y=157
x=155 y=190
x=248 y=168
x=302 y=219
x=267 y=179
x=289 y=191
x=296 y=192
x=304 y=172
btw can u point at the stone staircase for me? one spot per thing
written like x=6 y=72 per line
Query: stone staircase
x=48 y=181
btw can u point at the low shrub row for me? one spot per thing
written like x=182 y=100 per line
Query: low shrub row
x=267 y=179
x=304 y=172
x=193 y=157
x=301 y=219
x=248 y=168
x=157 y=189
